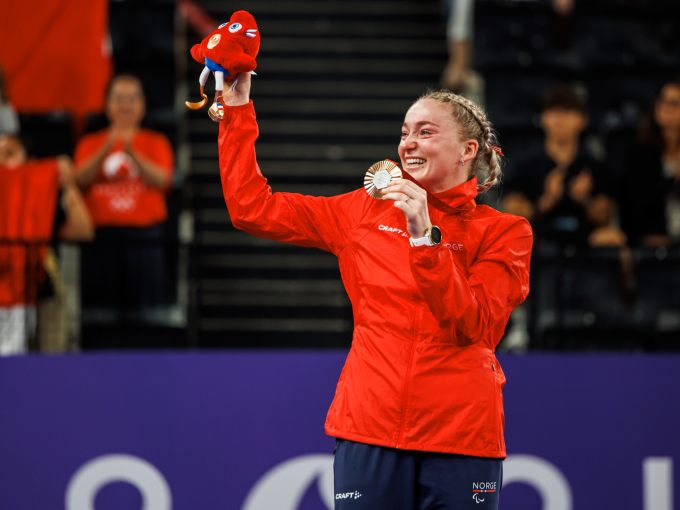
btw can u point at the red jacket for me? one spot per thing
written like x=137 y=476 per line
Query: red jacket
x=421 y=374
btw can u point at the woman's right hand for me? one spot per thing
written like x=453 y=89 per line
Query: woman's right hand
x=241 y=93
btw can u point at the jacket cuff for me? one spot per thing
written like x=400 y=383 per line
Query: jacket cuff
x=425 y=256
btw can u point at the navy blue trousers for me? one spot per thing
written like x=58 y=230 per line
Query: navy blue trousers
x=371 y=477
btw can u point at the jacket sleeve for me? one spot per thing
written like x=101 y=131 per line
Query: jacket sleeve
x=469 y=307
x=320 y=222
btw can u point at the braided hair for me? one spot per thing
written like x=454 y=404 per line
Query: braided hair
x=473 y=126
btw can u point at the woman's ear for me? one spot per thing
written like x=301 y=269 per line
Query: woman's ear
x=471 y=149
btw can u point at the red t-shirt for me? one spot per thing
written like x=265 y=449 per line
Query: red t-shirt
x=119 y=197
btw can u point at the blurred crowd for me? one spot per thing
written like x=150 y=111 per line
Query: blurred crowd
x=570 y=197
x=111 y=197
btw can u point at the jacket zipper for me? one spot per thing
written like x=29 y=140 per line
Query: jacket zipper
x=408 y=376
x=495 y=397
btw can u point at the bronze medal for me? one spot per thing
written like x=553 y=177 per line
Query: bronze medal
x=379 y=176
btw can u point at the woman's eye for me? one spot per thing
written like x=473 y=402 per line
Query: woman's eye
x=425 y=132
x=234 y=27
x=403 y=135
x=222 y=25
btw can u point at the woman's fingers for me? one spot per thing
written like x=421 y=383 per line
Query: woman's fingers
x=396 y=196
x=406 y=188
x=407 y=192
x=412 y=201
x=402 y=206
x=406 y=184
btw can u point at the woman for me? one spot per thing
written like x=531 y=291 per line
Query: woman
x=561 y=189
x=418 y=409
x=40 y=204
x=125 y=172
x=650 y=195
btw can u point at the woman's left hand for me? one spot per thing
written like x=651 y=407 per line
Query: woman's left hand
x=412 y=201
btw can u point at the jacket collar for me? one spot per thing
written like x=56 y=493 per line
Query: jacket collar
x=460 y=197
x=454 y=200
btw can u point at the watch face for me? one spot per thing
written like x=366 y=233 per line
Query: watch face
x=436 y=235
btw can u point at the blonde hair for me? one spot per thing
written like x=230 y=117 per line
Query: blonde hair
x=473 y=125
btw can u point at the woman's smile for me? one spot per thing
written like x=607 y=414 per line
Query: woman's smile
x=414 y=163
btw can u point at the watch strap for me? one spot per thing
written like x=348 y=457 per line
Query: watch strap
x=421 y=241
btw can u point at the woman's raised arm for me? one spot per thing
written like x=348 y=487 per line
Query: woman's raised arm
x=320 y=222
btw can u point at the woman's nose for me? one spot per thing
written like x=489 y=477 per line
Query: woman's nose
x=408 y=142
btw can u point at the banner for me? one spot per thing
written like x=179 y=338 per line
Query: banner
x=55 y=54
x=244 y=431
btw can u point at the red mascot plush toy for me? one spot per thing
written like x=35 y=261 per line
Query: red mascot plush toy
x=229 y=50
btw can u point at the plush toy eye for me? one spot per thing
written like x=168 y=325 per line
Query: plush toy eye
x=222 y=25
x=234 y=27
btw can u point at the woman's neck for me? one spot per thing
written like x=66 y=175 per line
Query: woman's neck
x=561 y=151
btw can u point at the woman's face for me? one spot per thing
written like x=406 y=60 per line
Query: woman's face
x=125 y=107
x=12 y=153
x=561 y=124
x=430 y=148
x=667 y=108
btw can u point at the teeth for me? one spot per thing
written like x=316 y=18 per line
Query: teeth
x=415 y=161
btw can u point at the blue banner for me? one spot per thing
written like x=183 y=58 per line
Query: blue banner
x=244 y=431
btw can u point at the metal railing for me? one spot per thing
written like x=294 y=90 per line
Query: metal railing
x=74 y=296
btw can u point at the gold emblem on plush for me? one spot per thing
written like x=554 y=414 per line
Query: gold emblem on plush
x=214 y=40
x=379 y=176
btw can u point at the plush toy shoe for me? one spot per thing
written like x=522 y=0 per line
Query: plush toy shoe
x=216 y=111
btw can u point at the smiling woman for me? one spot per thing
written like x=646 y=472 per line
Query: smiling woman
x=439 y=135
x=125 y=172
x=432 y=276
x=445 y=141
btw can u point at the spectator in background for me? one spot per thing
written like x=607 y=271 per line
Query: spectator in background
x=650 y=194
x=458 y=74
x=72 y=220
x=125 y=172
x=39 y=200
x=459 y=34
x=562 y=190
x=9 y=122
